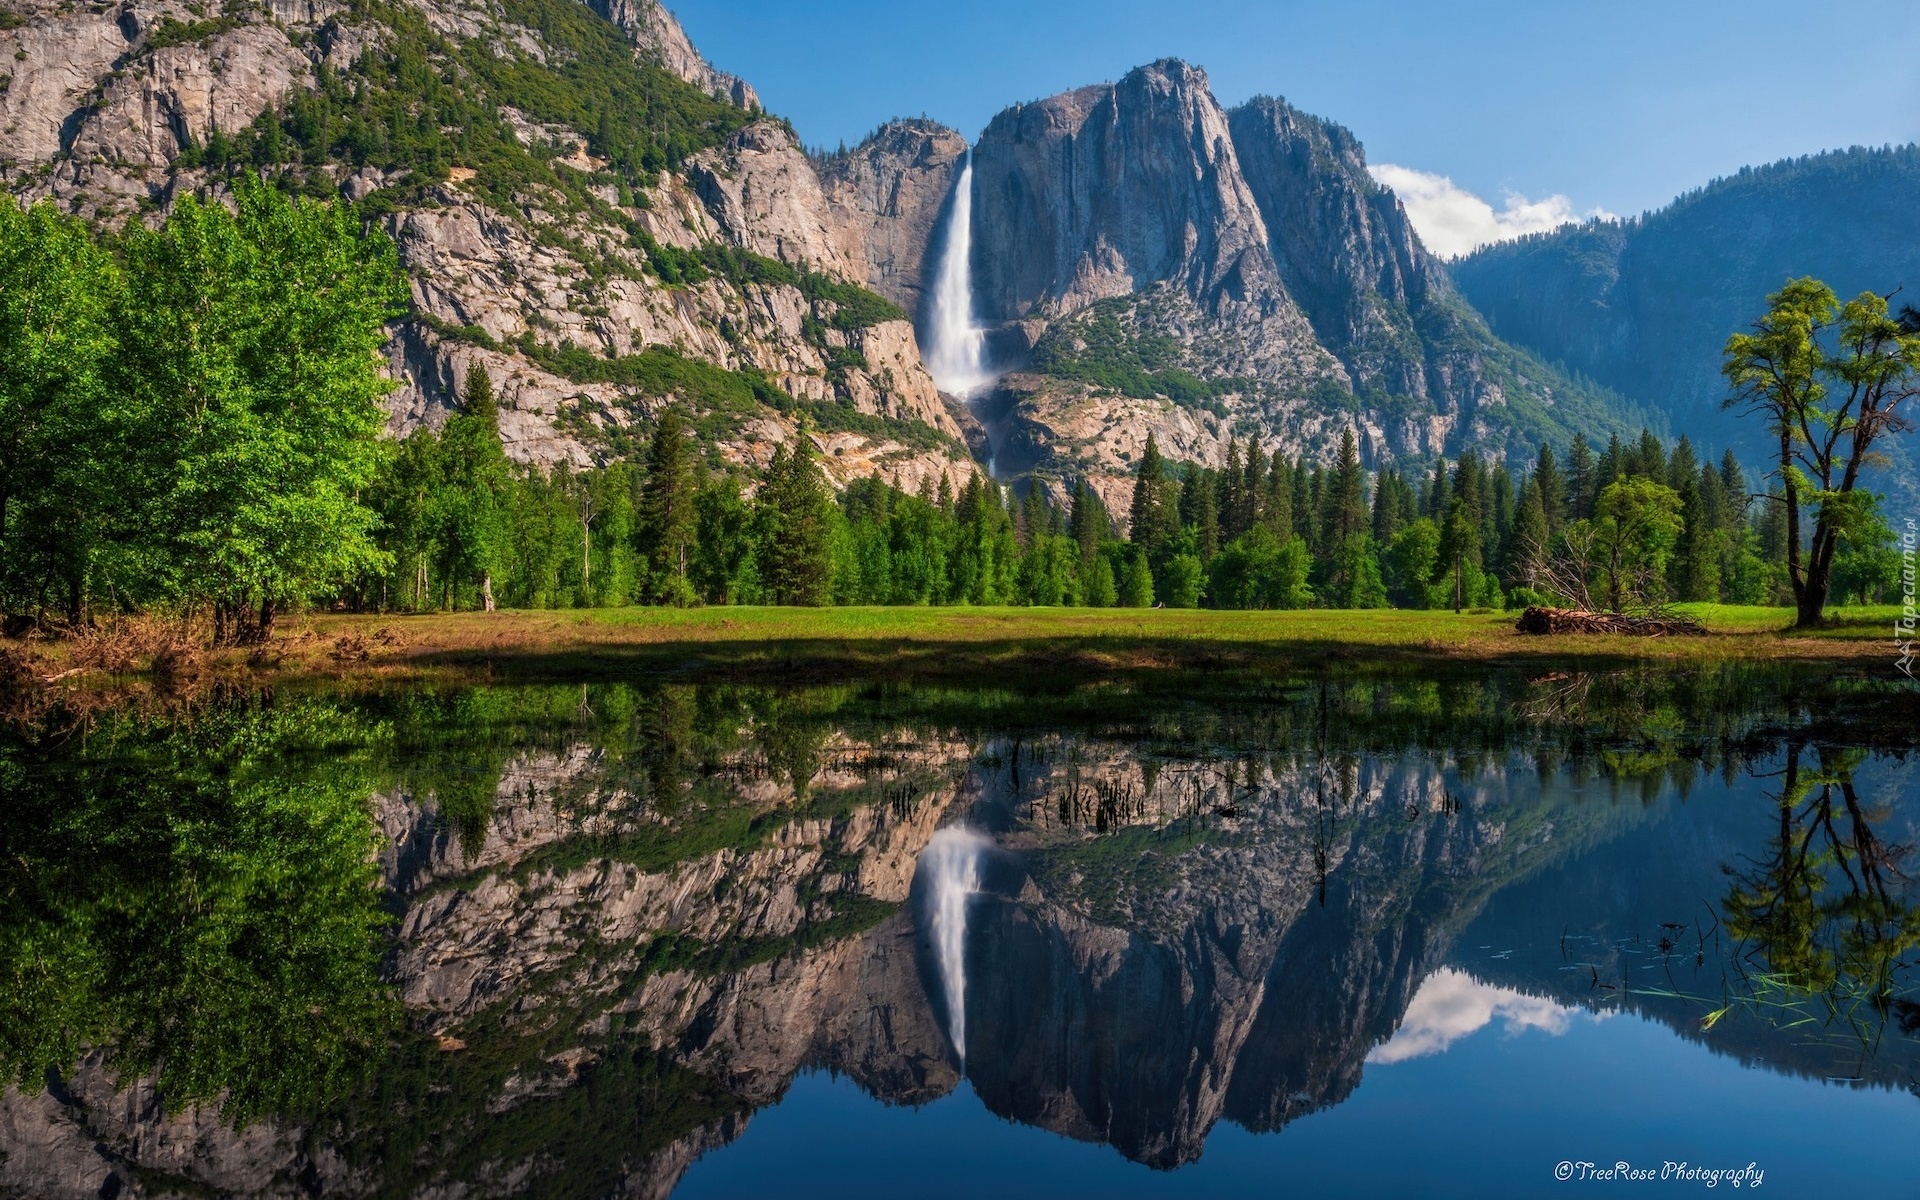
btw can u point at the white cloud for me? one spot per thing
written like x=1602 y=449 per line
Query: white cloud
x=1451 y=220
x=1452 y=1004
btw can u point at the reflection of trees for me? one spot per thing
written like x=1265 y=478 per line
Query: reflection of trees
x=1824 y=922
x=199 y=900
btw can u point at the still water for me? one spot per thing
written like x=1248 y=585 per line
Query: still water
x=1341 y=934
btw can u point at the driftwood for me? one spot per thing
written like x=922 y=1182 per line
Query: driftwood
x=1573 y=620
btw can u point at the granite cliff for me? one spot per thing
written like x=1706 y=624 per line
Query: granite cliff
x=600 y=207
x=1147 y=261
x=548 y=215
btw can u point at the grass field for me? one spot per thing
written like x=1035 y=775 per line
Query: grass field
x=977 y=640
x=995 y=643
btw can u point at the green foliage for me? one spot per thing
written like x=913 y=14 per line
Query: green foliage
x=794 y=523
x=419 y=103
x=220 y=379
x=200 y=901
x=60 y=424
x=172 y=32
x=250 y=341
x=1102 y=348
x=1828 y=381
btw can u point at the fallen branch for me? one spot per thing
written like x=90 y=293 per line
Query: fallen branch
x=1539 y=620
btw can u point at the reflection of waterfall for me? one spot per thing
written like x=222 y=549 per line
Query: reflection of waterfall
x=956 y=347
x=951 y=864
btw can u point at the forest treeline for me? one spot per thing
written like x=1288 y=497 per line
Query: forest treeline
x=191 y=422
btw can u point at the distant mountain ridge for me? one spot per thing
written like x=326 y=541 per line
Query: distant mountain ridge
x=1644 y=305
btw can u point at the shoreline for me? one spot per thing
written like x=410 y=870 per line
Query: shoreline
x=993 y=644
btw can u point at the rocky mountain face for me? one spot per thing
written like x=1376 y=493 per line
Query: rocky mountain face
x=892 y=190
x=1129 y=230
x=624 y=919
x=1149 y=262
x=1645 y=305
x=518 y=251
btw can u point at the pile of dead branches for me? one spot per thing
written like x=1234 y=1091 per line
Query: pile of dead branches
x=1574 y=620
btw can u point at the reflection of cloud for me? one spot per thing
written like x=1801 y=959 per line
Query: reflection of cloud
x=1452 y=220
x=1452 y=1004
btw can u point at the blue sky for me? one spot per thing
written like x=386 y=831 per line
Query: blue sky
x=1615 y=106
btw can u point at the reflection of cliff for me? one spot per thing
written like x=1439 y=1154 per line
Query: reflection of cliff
x=615 y=941
x=1229 y=987
x=602 y=974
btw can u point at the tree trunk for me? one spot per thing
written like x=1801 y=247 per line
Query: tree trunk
x=265 y=629
x=1796 y=575
x=486 y=591
x=1811 y=604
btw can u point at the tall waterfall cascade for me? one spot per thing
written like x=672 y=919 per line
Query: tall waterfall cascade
x=956 y=349
x=951 y=863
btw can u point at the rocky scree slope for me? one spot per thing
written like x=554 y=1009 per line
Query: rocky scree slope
x=583 y=204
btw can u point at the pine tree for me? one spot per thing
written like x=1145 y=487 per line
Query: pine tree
x=1553 y=489
x=1346 y=503
x=1253 y=475
x=1136 y=581
x=1199 y=513
x=1088 y=522
x=1228 y=499
x=666 y=518
x=794 y=512
x=1276 y=506
x=1531 y=531
x=1153 y=520
x=1614 y=466
x=1582 y=486
x=1649 y=460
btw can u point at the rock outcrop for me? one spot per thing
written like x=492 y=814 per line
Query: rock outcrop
x=1138 y=225
x=655 y=31
x=893 y=188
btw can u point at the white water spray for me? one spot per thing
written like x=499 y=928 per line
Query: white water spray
x=951 y=863
x=956 y=346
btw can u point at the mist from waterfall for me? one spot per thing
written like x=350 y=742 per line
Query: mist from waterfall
x=951 y=864
x=956 y=349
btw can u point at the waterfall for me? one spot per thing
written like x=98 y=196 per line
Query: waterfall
x=957 y=347
x=951 y=864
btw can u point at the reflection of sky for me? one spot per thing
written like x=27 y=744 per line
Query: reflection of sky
x=1452 y=1004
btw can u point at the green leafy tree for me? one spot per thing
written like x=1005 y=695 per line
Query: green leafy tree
x=1867 y=566
x=61 y=428
x=472 y=500
x=1411 y=561
x=723 y=568
x=250 y=343
x=1136 y=581
x=1635 y=526
x=1828 y=380
x=1179 y=585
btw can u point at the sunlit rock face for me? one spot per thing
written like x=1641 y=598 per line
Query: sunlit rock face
x=892 y=189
